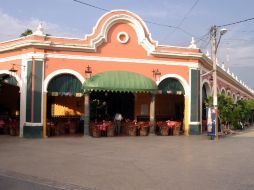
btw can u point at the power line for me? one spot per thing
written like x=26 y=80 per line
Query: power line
x=203 y=37
x=204 y=45
x=187 y=14
x=169 y=26
x=237 y=22
x=239 y=39
x=147 y=21
x=90 y=5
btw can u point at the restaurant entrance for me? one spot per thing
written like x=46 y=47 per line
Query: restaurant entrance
x=114 y=92
x=170 y=105
x=9 y=105
x=104 y=105
x=65 y=105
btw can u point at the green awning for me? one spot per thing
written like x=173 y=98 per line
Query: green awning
x=65 y=85
x=120 y=81
x=171 y=86
x=7 y=79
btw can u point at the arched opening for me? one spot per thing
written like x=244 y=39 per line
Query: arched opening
x=9 y=105
x=204 y=101
x=223 y=91
x=64 y=106
x=234 y=98
x=170 y=101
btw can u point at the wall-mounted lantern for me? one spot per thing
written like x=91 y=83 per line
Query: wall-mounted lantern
x=88 y=72
x=13 y=69
x=156 y=74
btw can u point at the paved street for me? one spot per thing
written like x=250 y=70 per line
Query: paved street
x=11 y=183
x=128 y=163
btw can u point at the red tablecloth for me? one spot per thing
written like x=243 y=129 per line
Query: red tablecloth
x=103 y=126
x=1 y=123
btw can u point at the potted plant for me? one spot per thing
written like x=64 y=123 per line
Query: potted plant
x=176 y=128
x=110 y=129
x=163 y=127
x=143 y=126
x=95 y=130
x=132 y=128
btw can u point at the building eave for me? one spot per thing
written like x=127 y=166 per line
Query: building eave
x=47 y=45
x=184 y=55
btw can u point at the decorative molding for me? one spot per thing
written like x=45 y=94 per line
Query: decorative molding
x=130 y=18
x=193 y=44
x=184 y=55
x=178 y=77
x=58 y=72
x=125 y=35
x=39 y=30
x=128 y=60
x=41 y=56
x=33 y=124
x=194 y=123
x=11 y=58
x=143 y=34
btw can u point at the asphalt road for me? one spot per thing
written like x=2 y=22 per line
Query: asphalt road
x=10 y=180
x=10 y=183
x=128 y=163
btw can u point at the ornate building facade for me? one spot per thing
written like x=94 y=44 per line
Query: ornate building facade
x=59 y=77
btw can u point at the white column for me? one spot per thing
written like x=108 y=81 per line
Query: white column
x=23 y=95
x=152 y=113
x=44 y=115
x=186 y=115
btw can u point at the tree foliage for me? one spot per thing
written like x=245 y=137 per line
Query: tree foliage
x=26 y=32
x=225 y=106
x=230 y=113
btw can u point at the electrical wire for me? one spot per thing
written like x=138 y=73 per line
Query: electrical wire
x=187 y=14
x=203 y=37
x=169 y=26
x=204 y=46
x=237 y=22
x=147 y=21
x=90 y=5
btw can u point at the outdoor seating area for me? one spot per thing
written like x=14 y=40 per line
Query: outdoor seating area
x=128 y=128
x=9 y=127
x=60 y=126
x=134 y=128
x=168 y=128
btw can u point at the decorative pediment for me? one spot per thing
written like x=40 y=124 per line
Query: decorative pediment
x=108 y=20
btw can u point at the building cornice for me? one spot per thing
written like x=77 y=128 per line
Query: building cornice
x=207 y=62
x=184 y=55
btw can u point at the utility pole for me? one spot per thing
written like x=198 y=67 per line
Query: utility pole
x=215 y=97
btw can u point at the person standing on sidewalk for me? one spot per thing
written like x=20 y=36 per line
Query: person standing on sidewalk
x=117 y=120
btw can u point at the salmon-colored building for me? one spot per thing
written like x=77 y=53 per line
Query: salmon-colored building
x=117 y=68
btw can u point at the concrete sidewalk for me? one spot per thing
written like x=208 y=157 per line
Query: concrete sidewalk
x=129 y=163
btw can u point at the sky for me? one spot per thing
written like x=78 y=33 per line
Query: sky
x=194 y=18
